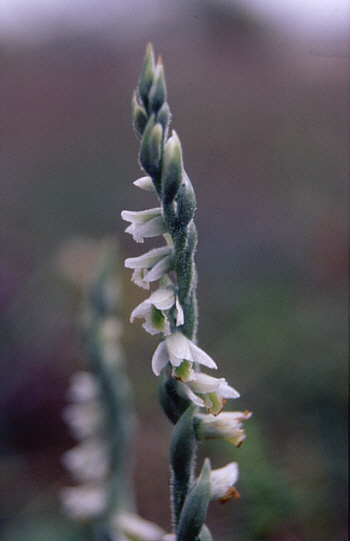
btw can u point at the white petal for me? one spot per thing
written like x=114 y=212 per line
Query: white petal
x=203 y=383
x=199 y=356
x=222 y=479
x=138 y=278
x=159 y=269
x=227 y=391
x=140 y=216
x=140 y=311
x=154 y=227
x=179 y=348
x=163 y=299
x=145 y=183
x=160 y=358
x=187 y=393
x=149 y=259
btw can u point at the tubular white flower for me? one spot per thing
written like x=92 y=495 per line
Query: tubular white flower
x=145 y=183
x=212 y=391
x=154 y=310
x=145 y=223
x=150 y=266
x=177 y=348
x=222 y=482
x=228 y=425
x=84 y=502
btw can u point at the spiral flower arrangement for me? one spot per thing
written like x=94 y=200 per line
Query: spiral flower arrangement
x=192 y=399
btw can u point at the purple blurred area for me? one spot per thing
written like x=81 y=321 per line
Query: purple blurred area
x=263 y=121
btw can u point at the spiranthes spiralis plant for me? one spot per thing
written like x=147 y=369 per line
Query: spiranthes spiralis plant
x=101 y=417
x=171 y=310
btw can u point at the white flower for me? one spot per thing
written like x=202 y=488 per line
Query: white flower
x=84 y=419
x=212 y=391
x=150 y=266
x=83 y=387
x=145 y=183
x=178 y=348
x=222 y=483
x=228 y=425
x=137 y=528
x=87 y=461
x=154 y=310
x=145 y=223
x=86 y=501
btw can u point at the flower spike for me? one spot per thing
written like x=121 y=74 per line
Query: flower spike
x=171 y=309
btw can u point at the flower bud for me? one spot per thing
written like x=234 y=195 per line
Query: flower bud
x=157 y=93
x=186 y=202
x=172 y=169
x=151 y=147
x=164 y=116
x=139 y=116
x=147 y=75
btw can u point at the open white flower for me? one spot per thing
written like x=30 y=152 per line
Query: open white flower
x=150 y=266
x=154 y=310
x=145 y=223
x=222 y=483
x=176 y=349
x=228 y=425
x=212 y=391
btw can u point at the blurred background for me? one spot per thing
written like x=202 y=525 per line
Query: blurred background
x=259 y=96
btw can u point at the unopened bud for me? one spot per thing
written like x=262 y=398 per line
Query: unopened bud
x=157 y=93
x=151 y=147
x=172 y=169
x=139 y=116
x=147 y=75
